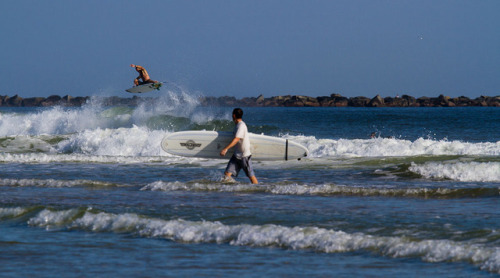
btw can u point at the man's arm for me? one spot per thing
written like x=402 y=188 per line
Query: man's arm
x=232 y=144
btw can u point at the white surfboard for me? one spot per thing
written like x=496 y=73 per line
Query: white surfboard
x=208 y=144
x=144 y=88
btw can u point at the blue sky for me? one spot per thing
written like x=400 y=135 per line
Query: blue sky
x=246 y=48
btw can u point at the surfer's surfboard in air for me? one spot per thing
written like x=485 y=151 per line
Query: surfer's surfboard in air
x=145 y=88
x=208 y=144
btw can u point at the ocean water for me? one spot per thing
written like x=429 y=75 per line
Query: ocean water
x=88 y=192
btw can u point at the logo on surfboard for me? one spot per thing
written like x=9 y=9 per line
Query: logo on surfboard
x=156 y=86
x=190 y=144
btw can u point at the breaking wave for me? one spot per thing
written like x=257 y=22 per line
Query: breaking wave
x=54 y=183
x=135 y=141
x=97 y=130
x=326 y=190
x=274 y=188
x=94 y=115
x=270 y=235
x=11 y=212
x=140 y=141
x=384 y=147
x=460 y=171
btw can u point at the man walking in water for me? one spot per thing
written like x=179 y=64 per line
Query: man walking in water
x=241 y=158
x=143 y=74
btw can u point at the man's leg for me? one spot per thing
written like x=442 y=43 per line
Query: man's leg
x=248 y=168
x=228 y=177
x=232 y=168
x=254 y=180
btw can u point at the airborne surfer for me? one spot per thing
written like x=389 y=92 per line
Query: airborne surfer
x=143 y=75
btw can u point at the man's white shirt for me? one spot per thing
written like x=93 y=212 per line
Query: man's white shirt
x=243 y=146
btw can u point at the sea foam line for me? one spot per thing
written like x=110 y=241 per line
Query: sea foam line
x=135 y=141
x=11 y=212
x=460 y=171
x=381 y=147
x=81 y=158
x=295 y=238
x=324 y=189
x=53 y=183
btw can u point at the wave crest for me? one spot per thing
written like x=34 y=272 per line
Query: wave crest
x=384 y=147
x=295 y=238
x=326 y=190
x=460 y=171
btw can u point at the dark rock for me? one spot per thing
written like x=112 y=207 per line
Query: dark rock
x=51 y=101
x=377 y=101
x=409 y=101
x=228 y=101
x=293 y=101
x=390 y=101
x=276 y=101
x=395 y=102
x=310 y=101
x=79 y=101
x=14 y=101
x=339 y=101
x=490 y=101
x=458 y=101
x=334 y=100
x=33 y=101
x=249 y=102
x=404 y=101
x=260 y=99
x=444 y=101
x=358 y=101
x=494 y=101
x=301 y=101
x=424 y=102
x=324 y=101
x=2 y=100
x=66 y=99
x=482 y=101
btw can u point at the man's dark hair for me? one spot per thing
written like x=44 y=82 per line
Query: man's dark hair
x=238 y=113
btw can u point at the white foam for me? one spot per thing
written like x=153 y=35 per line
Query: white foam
x=24 y=143
x=319 y=189
x=53 y=183
x=296 y=238
x=11 y=212
x=179 y=104
x=209 y=186
x=94 y=115
x=459 y=171
x=55 y=120
x=380 y=147
x=135 y=141
x=122 y=131
x=49 y=219
x=140 y=141
x=81 y=158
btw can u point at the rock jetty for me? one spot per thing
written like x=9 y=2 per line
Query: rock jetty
x=17 y=101
x=334 y=100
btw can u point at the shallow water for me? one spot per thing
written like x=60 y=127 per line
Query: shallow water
x=88 y=191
